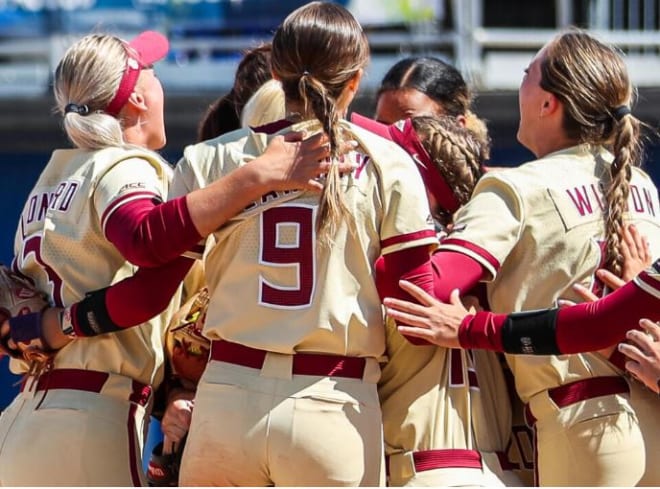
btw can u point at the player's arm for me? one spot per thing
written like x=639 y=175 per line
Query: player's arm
x=127 y=303
x=150 y=233
x=584 y=327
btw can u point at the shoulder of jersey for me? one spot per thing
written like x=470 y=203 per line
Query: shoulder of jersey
x=210 y=147
x=116 y=154
x=373 y=143
x=640 y=173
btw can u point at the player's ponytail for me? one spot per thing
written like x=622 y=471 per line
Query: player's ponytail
x=626 y=150
x=86 y=80
x=317 y=52
x=332 y=207
x=591 y=80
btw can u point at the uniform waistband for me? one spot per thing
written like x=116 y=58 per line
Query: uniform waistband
x=303 y=363
x=581 y=390
x=91 y=381
x=442 y=459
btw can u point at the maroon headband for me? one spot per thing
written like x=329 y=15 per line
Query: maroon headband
x=143 y=51
x=403 y=133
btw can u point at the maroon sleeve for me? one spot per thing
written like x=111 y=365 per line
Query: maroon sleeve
x=411 y=264
x=149 y=233
x=482 y=331
x=147 y=293
x=596 y=325
x=585 y=327
x=452 y=270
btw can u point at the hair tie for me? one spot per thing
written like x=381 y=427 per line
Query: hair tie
x=305 y=73
x=78 y=109
x=620 y=112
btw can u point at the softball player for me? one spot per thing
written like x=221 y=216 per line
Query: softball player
x=445 y=412
x=96 y=399
x=419 y=86
x=550 y=233
x=294 y=362
x=88 y=211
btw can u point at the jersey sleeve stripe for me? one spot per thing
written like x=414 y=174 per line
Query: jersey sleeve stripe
x=491 y=263
x=273 y=127
x=404 y=238
x=649 y=284
x=114 y=205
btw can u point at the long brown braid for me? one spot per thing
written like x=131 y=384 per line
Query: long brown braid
x=591 y=80
x=457 y=152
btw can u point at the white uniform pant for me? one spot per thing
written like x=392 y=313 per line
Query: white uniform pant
x=260 y=427
x=63 y=433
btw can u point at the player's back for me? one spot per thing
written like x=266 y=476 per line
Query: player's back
x=60 y=244
x=276 y=285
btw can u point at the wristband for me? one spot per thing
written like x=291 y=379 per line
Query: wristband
x=92 y=317
x=66 y=323
x=25 y=328
x=531 y=333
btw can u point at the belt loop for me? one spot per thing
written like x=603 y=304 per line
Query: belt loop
x=400 y=468
x=372 y=371
x=277 y=366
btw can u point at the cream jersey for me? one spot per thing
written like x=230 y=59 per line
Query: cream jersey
x=273 y=284
x=442 y=398
x=539 y=229
x=61 y=245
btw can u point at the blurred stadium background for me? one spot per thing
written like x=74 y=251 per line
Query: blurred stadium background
x=491 y=41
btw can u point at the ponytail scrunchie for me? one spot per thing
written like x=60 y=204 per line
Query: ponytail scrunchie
x=620 y=112
x=78 y=109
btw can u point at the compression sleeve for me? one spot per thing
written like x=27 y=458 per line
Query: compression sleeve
x=131 y=302
x=585 y=327
x=410 y=264
x=453 y=270
x=149 y=233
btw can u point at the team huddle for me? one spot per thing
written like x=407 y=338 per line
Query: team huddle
x=284 y=299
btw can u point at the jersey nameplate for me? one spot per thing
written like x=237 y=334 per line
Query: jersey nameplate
x=586 y=203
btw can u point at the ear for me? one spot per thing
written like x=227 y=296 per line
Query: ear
x=551 y=104
x=461 y=120
x=354 y=83
x=137 y=102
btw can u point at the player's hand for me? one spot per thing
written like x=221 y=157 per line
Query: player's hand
x=636 y=253
x=610 y=280
x=432 y=320
x=643 y=352
x=176 y=420
x=292 y=162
